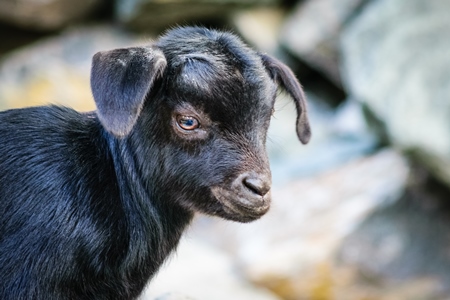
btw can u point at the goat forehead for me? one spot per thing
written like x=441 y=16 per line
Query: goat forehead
x=231 y=100
x=205 y=56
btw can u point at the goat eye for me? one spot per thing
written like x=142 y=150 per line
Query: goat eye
x=187 y=122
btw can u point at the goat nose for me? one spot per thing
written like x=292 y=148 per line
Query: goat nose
x=257 y=185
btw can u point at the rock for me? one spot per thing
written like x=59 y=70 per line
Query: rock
x=402 y=249
x=312 y=33
x=57 y=70
x=45 y=15
x=260 y=27
x=200 y=272
x=395 y=60
x=153 y=15
x=291 y=250
x=169 y=296
x=339 y=136
x=13 y=38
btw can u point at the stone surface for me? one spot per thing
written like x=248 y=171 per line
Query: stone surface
x=338 y=136
x=13 y=38
x=198 y=271
x=45 y=14
x=402 y=249
x=169 y=296
x=57 y=70
x=312 y=33
x=291 y=250
x=395 y=60
x=151 y=15
x=260 y=27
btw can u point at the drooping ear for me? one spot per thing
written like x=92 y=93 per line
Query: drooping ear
x=283 y=75
x=120 y=81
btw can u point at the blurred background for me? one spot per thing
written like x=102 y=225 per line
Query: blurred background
x=363 y=211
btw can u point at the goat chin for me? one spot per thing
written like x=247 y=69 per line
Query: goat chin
x=241 y=206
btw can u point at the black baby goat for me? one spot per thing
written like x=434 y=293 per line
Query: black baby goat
x=92 y=203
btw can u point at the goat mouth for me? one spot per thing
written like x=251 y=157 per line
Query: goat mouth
x=239 y=207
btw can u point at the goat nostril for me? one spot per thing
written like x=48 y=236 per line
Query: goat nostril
x=256 y=185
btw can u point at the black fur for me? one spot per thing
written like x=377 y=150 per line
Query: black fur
x=91 y=204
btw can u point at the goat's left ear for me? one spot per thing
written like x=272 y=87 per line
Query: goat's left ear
x=120 y=81
x=283 y=75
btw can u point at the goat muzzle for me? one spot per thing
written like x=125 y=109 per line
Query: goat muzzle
x=247 y=198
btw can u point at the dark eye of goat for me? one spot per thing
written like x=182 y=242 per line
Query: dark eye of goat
x=187 y=122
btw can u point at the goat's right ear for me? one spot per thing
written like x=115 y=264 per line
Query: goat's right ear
x=120 y=81
x=284 y=77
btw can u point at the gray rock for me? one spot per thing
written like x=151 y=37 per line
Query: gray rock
x=339 y=136
x=45 y=15
x=260 y=27
x=312 y=33
x=153 y=15
x=199 y=271
x=56 y=70
x=396 y=60
x=402 y=248
x=169 y=296
x=291 y=250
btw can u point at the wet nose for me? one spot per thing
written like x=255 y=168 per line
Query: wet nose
x=257 y=184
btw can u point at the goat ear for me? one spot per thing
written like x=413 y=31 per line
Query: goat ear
x=120 y=81
x=283 y=75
